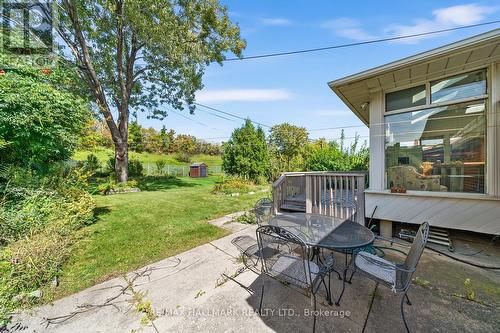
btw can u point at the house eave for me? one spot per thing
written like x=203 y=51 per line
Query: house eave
x=419 y=57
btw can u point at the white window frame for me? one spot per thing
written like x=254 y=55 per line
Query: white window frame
x=429 y=105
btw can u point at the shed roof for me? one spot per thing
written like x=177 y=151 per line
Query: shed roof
x=198 y=164
x=355 y=90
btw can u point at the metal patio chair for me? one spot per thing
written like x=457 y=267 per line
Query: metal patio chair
x=285 y=257
x=396 y=276
x=263 y=210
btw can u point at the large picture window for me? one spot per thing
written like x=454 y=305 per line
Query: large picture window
x=437 y=149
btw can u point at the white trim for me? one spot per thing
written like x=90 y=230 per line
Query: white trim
x=450 y=73
x=428 y=93
x=433 y=194
x=437 y=105
x=420 y=57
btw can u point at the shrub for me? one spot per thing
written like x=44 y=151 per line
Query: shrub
x=41 y=120
x=183 y=157
x=233 y=185
x=39 y=218
x=92 y=164
x=247 y=218
x=112 y=185
x=135 y=167
x=160 y=165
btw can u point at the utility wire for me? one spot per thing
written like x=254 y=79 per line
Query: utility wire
x=373 y=41
x=229 y=114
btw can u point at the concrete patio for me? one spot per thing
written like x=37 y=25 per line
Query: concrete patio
x=206 y=289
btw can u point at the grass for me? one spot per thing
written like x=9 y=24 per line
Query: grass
x=136 y=229
x=103 y=155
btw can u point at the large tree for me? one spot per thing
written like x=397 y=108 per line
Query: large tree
x=138 y=55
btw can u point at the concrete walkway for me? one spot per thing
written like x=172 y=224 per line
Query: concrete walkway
x=191 y=292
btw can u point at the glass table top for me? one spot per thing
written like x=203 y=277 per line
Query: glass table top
x=325 y=231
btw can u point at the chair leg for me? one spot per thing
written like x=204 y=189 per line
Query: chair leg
x=403 y=313
x=350 y=279
x=338 y=274
x=407 y=299
x=261 y=298
x=343 y=288
x=314 y=312
x=330 y=288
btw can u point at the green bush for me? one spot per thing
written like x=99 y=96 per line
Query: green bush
x=247 y=218
x=39 y=218
x=233 y=185
x=112 y=185
x=160 y=165
x=135 y=167
x=183 y=157
x=92 y=164
x=41 y=120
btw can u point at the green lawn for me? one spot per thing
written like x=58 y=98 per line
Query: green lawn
x=103 y=155
x=135 y=229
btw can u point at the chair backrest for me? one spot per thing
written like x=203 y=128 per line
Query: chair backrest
x=416 y=250
x=263 y=209
x=284 y=255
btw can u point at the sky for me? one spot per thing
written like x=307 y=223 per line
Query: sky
x=294 y=88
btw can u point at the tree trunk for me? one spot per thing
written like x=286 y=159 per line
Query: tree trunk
x=121 y=161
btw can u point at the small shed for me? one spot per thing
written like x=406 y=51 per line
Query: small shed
x=198 y=170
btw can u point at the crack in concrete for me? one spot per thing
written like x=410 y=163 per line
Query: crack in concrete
x=370 y=308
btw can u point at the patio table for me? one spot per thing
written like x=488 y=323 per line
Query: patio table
x=326 y=232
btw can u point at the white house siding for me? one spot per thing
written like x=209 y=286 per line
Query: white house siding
x=479 y=215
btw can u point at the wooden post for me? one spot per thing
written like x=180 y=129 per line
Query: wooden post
x=360 y=212
x=386 y=228
x=308 y=194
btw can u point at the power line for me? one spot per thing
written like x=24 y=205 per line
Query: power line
x=229 y=114
x=373 y=41
x=219 y=116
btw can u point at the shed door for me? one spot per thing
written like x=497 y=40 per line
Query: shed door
x=203 y=171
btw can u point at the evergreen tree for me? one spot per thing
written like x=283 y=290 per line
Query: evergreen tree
x=135 y=140
x=246 y=153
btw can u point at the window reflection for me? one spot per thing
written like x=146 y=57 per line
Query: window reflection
x=460 y=86
x=405 y=98
x=438 y=149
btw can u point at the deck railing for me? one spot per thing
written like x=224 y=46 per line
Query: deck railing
x=339 y=194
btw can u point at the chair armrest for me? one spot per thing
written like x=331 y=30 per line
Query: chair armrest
x=392 y=241
x=383 y=265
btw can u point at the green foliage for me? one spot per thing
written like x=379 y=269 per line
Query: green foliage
x=135 y=167
x=288 y=144
x=332 y=156
x=39 y=118
x=230 y=185
x=247 y=218
x=96 y=135
x=183 y=157
x=135 y=140
x=39 y=218
x=469 y=291
x=92 y=164
x=112 y=186
x=160 y=166
x=246 y=153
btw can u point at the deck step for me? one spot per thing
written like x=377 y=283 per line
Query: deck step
x=292 y=207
